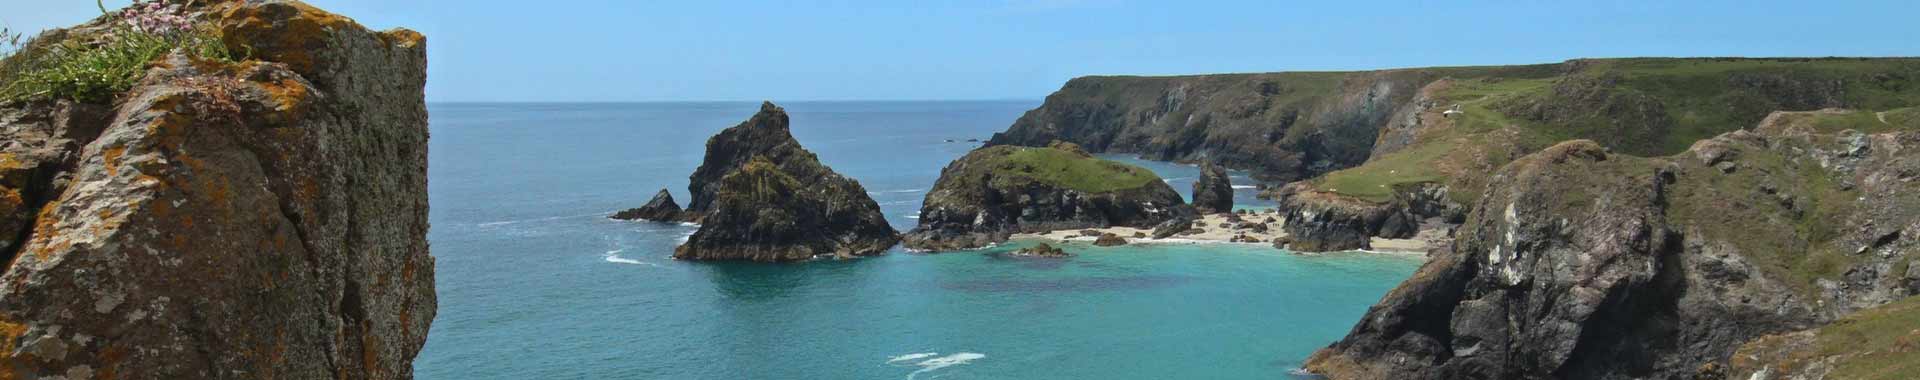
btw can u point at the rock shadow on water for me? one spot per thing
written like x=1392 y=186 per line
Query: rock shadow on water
x=1085 y=284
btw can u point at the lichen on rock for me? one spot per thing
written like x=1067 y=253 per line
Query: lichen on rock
x=229 y=218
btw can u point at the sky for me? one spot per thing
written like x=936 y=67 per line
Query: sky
x=623 y=50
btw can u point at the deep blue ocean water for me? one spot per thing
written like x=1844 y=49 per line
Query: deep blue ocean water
x=534 y=282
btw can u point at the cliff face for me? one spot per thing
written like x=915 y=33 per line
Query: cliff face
x=774 y=201
x=994 y=192
x=1322 y=222
x=1578 y=263
x=253 y=219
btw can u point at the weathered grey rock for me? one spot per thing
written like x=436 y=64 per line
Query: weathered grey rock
x=1213 y=192
x=234 y=220
x=1172 y=227
x=1321 y=221
x=1110 y=240
x=780 y=207
x=661 y=208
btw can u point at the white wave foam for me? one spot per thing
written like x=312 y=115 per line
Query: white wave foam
x=890 y=203
x=935 y=363
x=614 y=257
x=689 y=224
x=1170 y=180
x=902 y=358
x=1243 y=186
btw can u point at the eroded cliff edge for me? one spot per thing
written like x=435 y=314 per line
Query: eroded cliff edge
x=1581 y=263
x=265 y=218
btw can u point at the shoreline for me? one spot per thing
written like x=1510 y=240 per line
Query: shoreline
x=1213 y=233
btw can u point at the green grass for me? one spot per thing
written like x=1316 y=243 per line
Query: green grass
x=1376 y=181
x=1878 y=343
x=1066 y=169
x=94 y=70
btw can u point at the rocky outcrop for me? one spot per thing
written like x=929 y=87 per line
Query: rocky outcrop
x=1213 y=192
x=1110 y=240
x=661 y=208
x=766 y=134
x=994 y=192
x=1320 y=221
x=1579 y=263
x=780 y=203
x=1042 y=251
x=266 y=218
x=1172 y=227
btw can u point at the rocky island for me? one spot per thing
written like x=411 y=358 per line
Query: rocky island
x=759 y=196
x=221 y=216
x=994 y=192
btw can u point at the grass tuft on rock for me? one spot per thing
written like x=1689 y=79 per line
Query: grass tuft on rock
x=1072 y=170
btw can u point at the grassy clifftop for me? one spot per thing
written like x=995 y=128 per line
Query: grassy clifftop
x=1070 y=170
x=1642 y=106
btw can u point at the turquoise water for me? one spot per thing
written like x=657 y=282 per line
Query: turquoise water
x=534 y=282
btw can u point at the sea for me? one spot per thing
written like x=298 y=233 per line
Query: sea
x=535 y=282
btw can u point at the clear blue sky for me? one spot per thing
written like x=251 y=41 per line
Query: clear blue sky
x=608 y=50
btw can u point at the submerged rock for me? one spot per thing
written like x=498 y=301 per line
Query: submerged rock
x=661 y=208
x=994 y=192
x=1213 y=192
x=1109 y=240
x=266 y=218
x=1042 y=250
x=780 y=206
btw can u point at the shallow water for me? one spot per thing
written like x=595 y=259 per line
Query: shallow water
x=534 y=282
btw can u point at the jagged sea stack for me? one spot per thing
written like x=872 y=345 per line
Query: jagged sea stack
x=256 y=219
x=761 y=197
x=1213 y=192
x=994 y=192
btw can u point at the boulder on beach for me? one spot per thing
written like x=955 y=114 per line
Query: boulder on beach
x=1213 y=192
x=1109 y=240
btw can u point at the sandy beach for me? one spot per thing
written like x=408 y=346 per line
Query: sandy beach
x=1213 y=233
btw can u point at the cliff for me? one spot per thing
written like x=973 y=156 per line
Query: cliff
x=1580 y=263
x=260 y=218
x=774 y=201
x=994 y=192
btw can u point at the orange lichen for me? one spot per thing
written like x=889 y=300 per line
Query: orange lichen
x=112 y=158
x=281 y=32
x=403 y=38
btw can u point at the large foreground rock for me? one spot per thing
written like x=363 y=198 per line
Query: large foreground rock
x=780 y=203
x=1582 y=264
x=264 y=219
x=994 y=192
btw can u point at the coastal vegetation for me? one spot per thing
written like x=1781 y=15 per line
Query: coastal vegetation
x=95 y=62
